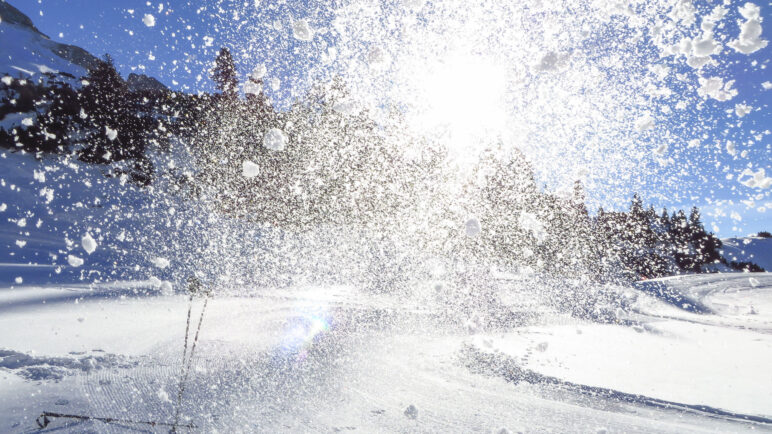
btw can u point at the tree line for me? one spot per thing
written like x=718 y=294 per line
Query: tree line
x=338 y=168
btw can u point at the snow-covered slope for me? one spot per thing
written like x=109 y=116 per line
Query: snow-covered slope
x=64 y=221
x=661 y=353
x=48 y=207
x=26 y=52
x=749 y=249
x=330 y=359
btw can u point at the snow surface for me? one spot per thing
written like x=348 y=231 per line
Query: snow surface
x=332 y=358
x=719 y=360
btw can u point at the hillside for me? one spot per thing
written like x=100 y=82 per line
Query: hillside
x=749 y=249
x=26 y=52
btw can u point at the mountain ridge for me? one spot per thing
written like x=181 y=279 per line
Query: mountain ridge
x=30 y=51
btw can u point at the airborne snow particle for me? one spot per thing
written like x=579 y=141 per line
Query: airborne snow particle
x=111 y=134
x=411 y=412
x=753 y=281
x=160 y=262
x=714 y=87
x=375 y=56
x=661 y=149
x=22 y=222
x=19 y=280
x=766 y=85
x=344 y=107
x=162 y=395
x=742 y=110
x=47 y=193
x=7 y=80
x=758 y=179
x=644 y=123
x=275 y=83
x=749 y=40
x=208 y=41
x=731 y=149
x=532 y=224
x=259 y=72
x=302 y=31
x=549 y=62
x=275 y=140
x=74 y=261
x=3 y=207
x=472 y=227
x=27 y=122
x=88 y=243
x=252 y=88
x=249 y=169
x=149 y=20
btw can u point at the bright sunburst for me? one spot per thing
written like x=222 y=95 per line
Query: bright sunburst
x=461 y=100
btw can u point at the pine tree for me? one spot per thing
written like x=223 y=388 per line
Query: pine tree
x=705 y=244
x=115 y=125
x=224 y=74
x=664 y=219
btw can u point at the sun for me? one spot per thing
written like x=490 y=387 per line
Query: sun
x=460 y=100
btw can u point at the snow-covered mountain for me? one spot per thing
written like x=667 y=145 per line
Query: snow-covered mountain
x=26 y=52
x=749 y=249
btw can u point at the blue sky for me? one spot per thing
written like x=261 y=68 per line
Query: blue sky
x=175 y=51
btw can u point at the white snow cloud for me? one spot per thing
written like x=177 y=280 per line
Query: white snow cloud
x=714 y=87
x=742 y=110
x=259 y=72
x=252 y=88
x=758 y=179
x=749 y=40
